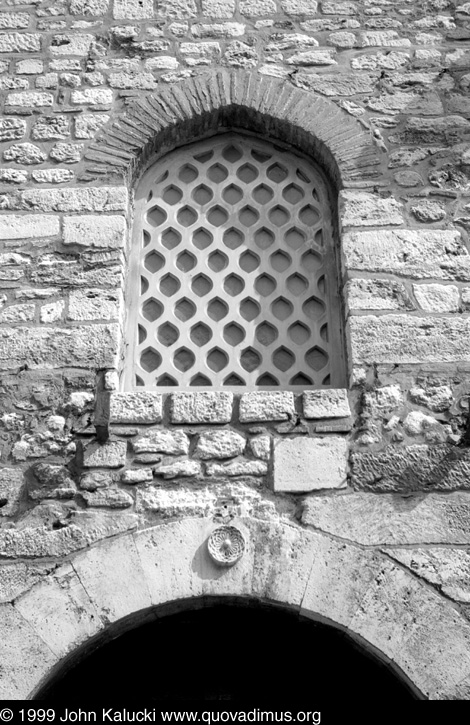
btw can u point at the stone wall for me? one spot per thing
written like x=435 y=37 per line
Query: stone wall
x=377 y=92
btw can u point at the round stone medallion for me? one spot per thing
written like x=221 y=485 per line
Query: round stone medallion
x=226 y=545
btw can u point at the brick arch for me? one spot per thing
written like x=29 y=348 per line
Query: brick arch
x=121 y=582
x=201 y=106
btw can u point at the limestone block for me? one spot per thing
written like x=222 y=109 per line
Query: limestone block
x=94 y=304
x=111 y=454
x=401 y=339
x=139 y=407
x=141 y=81
x=25 y=657
x=52 y=176
x=11 y=482
x=24 y=153
x=89 y=199
x=217 y=30
x=437 y=297
x=133 y=9
x=51 y=127
x=366 y=518
x=343 y=85
x=29 y=99
x=411 y=253
x=239 y=467
x=92 y=96
x=112 y=576
x=312 y=57
x=220 y=444
x=310 y=464
x=60 y=611
x=82 y=347
x=260 y=446
x=30 y=66
x=71 y=44
x=342 y=39
x=412 y=468
x=432 y=131
x=338 y=8
x=302 y=8
x=93 y=480
x=109 y=498
x=18 y=577
x=13 y=176
x=12 y=129
x=179 y=468
x=66 y=153
x=162 y=62
x=288 y=41
x=137 y=475
x=447 y=569
x=52 y=312
x=175 y=502
x=51 y=482
x=363 y=209
x=87 y=124
x=428 y=211
x=385 y=38
x=14 y=20
x=416 y=423
x=376 y=294
x=201 y=407
x=18 y=313
x=219 y=8
x=326 y=404
x=388 y=61
x=177 y=9
x=95 y=231
x=162 y=441
x=89 y=7
x=256 y=8
x=266 y=406
x=20 y=42
x=437 y=398
x=28 y=226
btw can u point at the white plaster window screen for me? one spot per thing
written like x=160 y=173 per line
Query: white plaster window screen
x=237 y=283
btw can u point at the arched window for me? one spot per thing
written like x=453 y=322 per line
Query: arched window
x=233 y=277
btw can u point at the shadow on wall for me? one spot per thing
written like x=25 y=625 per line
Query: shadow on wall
x=230 y=652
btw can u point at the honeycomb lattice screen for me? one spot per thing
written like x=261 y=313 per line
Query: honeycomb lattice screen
x=238 y=287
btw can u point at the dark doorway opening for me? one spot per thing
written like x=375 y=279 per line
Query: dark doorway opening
x=229 y=653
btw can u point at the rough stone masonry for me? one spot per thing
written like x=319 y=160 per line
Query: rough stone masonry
x=376 y=92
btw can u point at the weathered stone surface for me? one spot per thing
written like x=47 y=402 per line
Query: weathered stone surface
x=89 y=7
x=413 y=468
x=388 y=61
x=20 y=42
x=95 y=231
x=13 y=176
x=162 y=441
x=437 y=398
x=112 y=498
x=32 y=225
x=312 y=57
x=29 y=99
x=437 y=297
x=402 y=339
x=180 y=502
x=52 y=176
x=177 y=9
x=377 y=294
x=201 y=407
x=137 y=475
x=18 y=577
x=223 y=8
x=260 y=446
x=266 y=406
x=337 y=85
x=87 y=124
x=432 y=131
x=48 y=128
x=132 y=9
x=409 y=253
x=94 y=304
x=362 y=209
x=302 y=8
x=80 y=347
x=428 y=211
x=392 y=519
x=417 y=423
x=52 y=482
x=138 y=407
x=66 y=153
x=93 y=480
x=24 y=153
x=326 y=404
x=92 y=96
x=220 y=444
x=12 y=129
x=90 y=199
x=217 y=30
x=111 y=454
x=11 y=482
x=385 y=38
x=238 y=467
x=447 y=569
x=18 y=313
x=310 y=464
x=71 y=44
x=179 y=468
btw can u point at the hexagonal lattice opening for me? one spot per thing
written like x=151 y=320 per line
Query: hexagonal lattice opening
x=217 y=261
x=249 y=261
x=264 y=238
x=152 y=310
x=262 y=194
x=202 y=194
x=248 y=216
x=217 y=359
x=217 y=309
x=169 y=285
x=217 y=216
x=201 y=285
x=293 y=194
x=316 y=358
x=309 y=215
x=185 y=309
x=311 y=262
x=156 y=216
x=186 y=261
x=150 y=360
x=202 y=238
x=233 y=238
x=283 y=358
x=172 y=195
x=250 y=359
x=188 y=173
x=233 y=334
x=233 y=285
x=265 y=285
x=184 y=359
x=280 y=261
x=279 y=215
x=154 y=262
x=247 y=173
x=232 y=194
x=167 y=334
x=313 y=308
x=277 y=173
x=171 y=238
x=266 y=333
x=297 y=284
x=294 y=238
x=282 y=308
x=200 y=380
x=187 y=216
x=249 y=309
x=200 y=334
x=232 y=154
x=299 y=333
x=217 y=173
